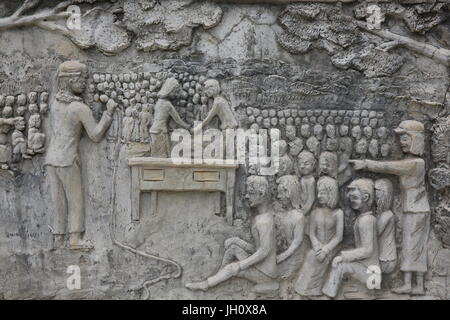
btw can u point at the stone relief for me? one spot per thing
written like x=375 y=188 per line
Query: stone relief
x=357 y=207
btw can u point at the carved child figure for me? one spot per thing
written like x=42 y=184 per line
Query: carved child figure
x=326 y=230
x=5 y=127
x=146 y=119
x=254 y=262
x=295 y=143
x=292 y=223
x=36 y=139
x=384 y=195
x=127 y=125
x=19 y=143
x=286 y=165
x=328 y=164
x=306 y=166
x=355 y=262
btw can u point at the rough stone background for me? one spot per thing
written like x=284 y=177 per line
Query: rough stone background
x=230 y=42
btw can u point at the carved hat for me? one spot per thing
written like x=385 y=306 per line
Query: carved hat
x=71 y=68
x=410 y=126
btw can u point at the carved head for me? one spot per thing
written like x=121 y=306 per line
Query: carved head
x=212 y=88
x=318 y=131
x=332 y=144
x=306 y=163
x=295 y=147
x=328 y=164
x=72 y=76
x=291 y=132
x=305 y=130
x=356 y=132
x=289 y=191
x=7 y=112
x=412 y=137
x=382 y=132
x=9 y=101
x=327 y=192
x=35 y=121
x=385 y=150
x=21 y=99
x=170 y=89
x=361 y=194
x=384 y=194
x=257 y=190
x=281 y=145
x=368 y=132
x=331 y=131
x=20 y=124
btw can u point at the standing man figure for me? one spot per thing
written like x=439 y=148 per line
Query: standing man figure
x=69 y=115
x=416 y=208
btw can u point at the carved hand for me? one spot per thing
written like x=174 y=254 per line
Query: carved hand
x=111 y=106
x=358 y=164
x=336 y=261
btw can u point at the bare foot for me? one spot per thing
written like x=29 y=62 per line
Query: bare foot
x=202 y=285
x=405 y=289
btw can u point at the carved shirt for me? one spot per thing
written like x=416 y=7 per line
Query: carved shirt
x=412 y=181
x=67 y=121
x=386 y=236
x=366 y=242
x=163 y=111
x=263 y=232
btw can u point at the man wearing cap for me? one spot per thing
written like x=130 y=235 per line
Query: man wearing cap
x=416 y=208
x=69 y=115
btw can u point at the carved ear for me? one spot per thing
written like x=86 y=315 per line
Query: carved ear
x=366 y=197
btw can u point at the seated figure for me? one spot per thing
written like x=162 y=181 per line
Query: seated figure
x=254 y=262
x=364 y=257
x=326 y=230
x=36 y=139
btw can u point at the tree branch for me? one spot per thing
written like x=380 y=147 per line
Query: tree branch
x=438 y=54
x=16 y=20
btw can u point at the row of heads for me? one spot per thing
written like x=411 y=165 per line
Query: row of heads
x=361 y=192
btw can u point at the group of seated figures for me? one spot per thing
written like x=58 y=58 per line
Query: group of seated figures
x=311 y=211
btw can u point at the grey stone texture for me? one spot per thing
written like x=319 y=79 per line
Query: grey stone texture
x=337 y=79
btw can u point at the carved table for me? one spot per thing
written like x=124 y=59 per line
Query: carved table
x=162 y=174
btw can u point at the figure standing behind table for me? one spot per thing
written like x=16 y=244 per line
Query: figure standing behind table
x=384 y=195
x=69 y=115
x=254 y=262
x=356 y=262
x=164 y=110
x=220 y=107
x=326 y=230
x=292 y=223
x=415 y=205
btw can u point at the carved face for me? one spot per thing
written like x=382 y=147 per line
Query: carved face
x=20 y=125
x=368 y=132
x=405 y=142
x=211 y=90
x=306 y=163
x=283 y=194
x=381 y=132
x=78 y=85
x=327 y=165
x=323 y=195
x=356 y=132
x=290 y=133
x=356 y=198
x=295 y=148
x=318 y=131
x=305 y=131
x=255 y=194
x=35 y=121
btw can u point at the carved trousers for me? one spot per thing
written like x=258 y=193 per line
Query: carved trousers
x=356 y=270
x=67 y=198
